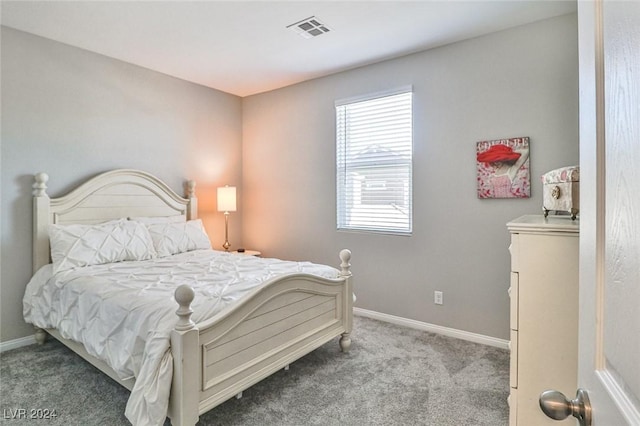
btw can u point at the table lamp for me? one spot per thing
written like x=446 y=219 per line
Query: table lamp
x=226 y=204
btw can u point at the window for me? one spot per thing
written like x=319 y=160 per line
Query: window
x=374 y=163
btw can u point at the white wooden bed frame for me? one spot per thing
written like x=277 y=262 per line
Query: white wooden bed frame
x=214 y=360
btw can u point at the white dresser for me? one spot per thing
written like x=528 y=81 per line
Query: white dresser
x=544 y=314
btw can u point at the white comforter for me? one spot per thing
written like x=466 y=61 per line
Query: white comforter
x=124 y=312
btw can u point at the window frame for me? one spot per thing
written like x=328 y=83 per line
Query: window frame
x=342 y=159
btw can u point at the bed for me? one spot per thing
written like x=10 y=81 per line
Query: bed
x=215 y=357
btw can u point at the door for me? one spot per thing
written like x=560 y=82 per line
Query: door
x=609 y=342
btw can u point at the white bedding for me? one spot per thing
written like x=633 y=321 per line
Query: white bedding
x=124 y=312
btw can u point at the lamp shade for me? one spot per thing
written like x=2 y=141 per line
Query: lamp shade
x=227 y=199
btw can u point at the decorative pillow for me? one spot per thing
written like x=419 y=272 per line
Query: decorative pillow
x=173 y=238
x=78 y=245
x=152 y=220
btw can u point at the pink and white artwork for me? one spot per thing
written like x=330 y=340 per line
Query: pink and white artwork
x=503 y=168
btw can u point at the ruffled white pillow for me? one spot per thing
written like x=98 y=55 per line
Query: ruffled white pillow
x=174 y=238
x=78 y=245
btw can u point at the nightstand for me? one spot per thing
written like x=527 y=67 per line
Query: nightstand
x=255 y=253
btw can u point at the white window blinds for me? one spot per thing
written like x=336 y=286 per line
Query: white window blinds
x=374 y=163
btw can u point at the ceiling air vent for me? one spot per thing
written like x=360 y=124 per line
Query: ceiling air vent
x=309 y=28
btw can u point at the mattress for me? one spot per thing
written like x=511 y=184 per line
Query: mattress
x=123 y=313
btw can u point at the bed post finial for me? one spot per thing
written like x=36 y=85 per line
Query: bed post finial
x=192 y=207
x=191 y=188
x=40 y=184
x=345 y=256
x=184 y=295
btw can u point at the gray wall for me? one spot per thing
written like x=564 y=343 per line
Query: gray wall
x=73 y=114
x=518 y=82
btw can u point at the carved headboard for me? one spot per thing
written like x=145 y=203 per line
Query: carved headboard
x=111 y=195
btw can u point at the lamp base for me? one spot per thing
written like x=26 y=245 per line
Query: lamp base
x=226 y=244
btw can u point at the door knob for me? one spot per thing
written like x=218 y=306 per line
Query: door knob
x=555 y=405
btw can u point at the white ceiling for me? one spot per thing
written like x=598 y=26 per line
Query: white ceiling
x=244 y=47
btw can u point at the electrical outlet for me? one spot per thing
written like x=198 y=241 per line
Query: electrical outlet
x=437 y=297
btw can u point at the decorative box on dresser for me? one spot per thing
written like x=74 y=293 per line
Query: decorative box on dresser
x=544 y=314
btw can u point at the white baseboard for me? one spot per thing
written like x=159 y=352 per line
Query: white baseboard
x=17 y=343
x=438 y=329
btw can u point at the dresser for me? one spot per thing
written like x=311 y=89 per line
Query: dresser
x=544 y=314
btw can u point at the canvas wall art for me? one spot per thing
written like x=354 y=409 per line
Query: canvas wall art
x=503 y=168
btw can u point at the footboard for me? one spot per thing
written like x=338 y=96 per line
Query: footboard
x=282 y=321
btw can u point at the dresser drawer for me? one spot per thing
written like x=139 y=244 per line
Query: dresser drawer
x=513 y=366
x=513 y=295
x=514 y=250
x=513 y=407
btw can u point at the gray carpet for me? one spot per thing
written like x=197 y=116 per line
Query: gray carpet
x=392 y=376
